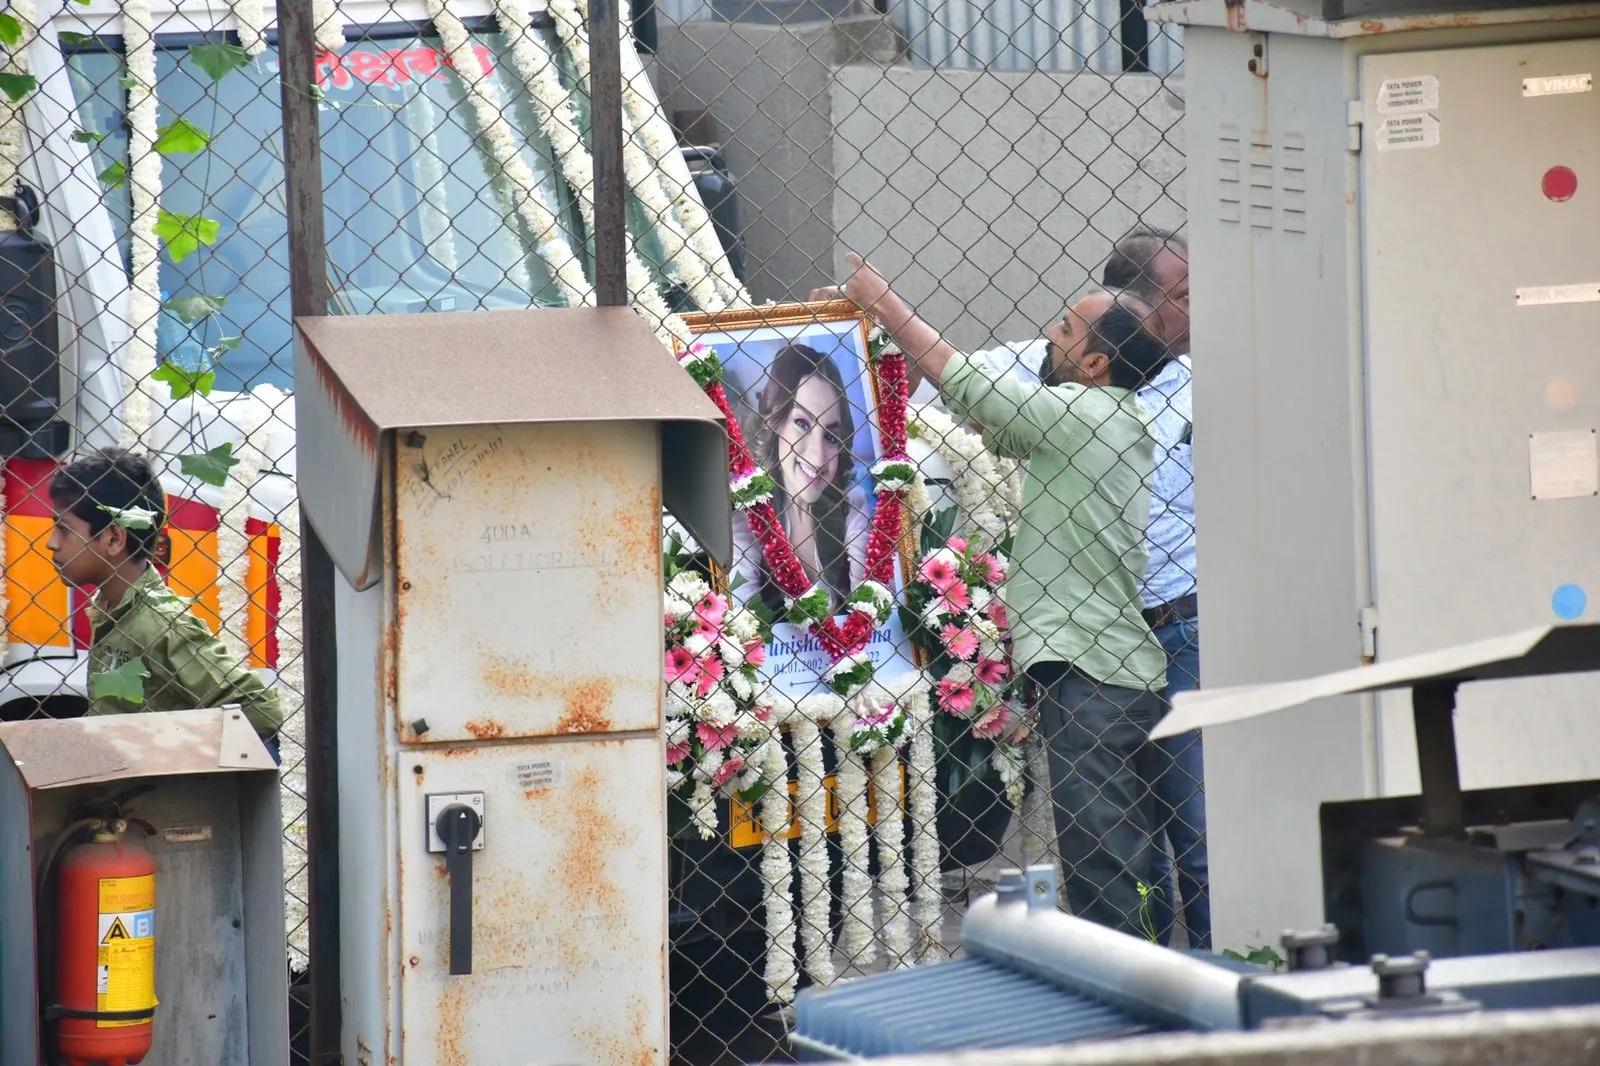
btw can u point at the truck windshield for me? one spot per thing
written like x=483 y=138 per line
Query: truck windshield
x=413 y=221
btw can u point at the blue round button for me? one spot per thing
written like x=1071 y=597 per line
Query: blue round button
x=1569 y=602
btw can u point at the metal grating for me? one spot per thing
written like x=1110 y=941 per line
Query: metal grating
x=968 y=1004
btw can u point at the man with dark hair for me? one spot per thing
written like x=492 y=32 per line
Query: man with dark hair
x=1077 y=623
x=1155 y=265
x=109 y=512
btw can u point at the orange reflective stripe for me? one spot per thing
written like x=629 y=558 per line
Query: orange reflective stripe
x=259 y=581
x=38 y=602
x=193 y=574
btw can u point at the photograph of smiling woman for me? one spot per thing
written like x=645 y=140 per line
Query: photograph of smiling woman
x=804 y=433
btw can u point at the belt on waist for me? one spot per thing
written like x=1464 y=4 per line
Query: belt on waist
x=1183 y=607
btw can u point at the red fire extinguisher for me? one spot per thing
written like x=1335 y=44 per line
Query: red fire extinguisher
x=105 y=973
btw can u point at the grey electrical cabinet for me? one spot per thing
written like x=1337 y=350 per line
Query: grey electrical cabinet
x=1394 y=227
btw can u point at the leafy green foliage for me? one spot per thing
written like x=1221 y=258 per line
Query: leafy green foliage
x=114 y=175
x=10 y=30
x=218 y=60
x=211 y=466
x=183 y=382
x=185 y=234
x=87 y=137
x=16 y=86
x=180 y=136
x=75 y=40
x=126 y=682
x=191 y=309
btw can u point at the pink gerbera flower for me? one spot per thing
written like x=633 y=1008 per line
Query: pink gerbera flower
x=956 y=698
x=992 y=671
x=680 y=665
x=993 y=722
x=956 y=599
x=940 y=573
x=731 y=767
x=997 y=614
x=990 y=568
x=716 y=738
x=712 y=610
x=959 y=641
x=755 y=653
x=957 y=544
x=676 y=753
x=708 y=671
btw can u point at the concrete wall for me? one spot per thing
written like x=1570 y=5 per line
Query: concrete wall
x=987 y=197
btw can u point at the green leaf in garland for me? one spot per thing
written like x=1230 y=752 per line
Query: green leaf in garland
x=227 y=344
x=87 y=137
x=74 y=40
x=183 y=382
x=129 y=83
x=191 y=309
x=180 y=137
x=10 y=30
x=16 y=86
x=218 y=60
x=114 y=175
x=211 y=467
x=125 y=683
x=184 y=234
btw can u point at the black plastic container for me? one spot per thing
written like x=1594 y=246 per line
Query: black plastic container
x=30 y=337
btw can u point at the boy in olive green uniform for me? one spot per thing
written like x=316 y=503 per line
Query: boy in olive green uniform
x=109 y=511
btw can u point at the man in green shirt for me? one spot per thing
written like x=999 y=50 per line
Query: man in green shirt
x=1078 y=625
x=148 y=651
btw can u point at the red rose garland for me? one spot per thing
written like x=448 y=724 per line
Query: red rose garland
x=787 y=571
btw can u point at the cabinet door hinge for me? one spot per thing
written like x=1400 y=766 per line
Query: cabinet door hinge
x=1353 y=120
x=1367 y=619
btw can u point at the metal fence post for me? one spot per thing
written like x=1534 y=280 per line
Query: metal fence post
x=610 y=206
x=308 y=296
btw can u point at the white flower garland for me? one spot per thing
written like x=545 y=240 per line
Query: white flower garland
x=438 y=233
x=558 y=121
x=815 y=904
x=505 y=159
x=144 y=180
x=777 y=880
x=893 y=884
x=250 y=20
x=667 y=166
x=292 y=739
x=927 y=892
x=328 y=25
x=855 y=936
x=987 y=489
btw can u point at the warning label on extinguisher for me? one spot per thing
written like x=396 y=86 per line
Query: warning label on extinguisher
x=127 y=947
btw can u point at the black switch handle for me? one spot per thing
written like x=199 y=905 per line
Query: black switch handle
x=458 y=828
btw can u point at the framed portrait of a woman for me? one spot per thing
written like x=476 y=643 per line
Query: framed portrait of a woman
x=799 y=380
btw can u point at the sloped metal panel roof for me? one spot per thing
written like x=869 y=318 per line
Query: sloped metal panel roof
x=361 y=377
x=1545 y=650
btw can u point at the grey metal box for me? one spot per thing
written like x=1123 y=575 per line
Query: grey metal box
x=1373 y=401
x=213 y=798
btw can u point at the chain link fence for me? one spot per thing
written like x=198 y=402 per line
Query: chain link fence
x=911 y=535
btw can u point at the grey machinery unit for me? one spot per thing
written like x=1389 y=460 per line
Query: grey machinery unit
x=1395 y=299
x=1504 y=861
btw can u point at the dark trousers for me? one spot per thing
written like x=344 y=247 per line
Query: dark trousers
x=1101 y=767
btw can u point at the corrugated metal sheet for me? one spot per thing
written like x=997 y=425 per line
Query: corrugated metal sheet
x=1063 y=35
x=969 y=1004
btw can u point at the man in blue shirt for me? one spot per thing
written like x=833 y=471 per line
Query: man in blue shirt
x=1154 y=265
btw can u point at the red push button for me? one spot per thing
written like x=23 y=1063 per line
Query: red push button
x=1560 y=184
